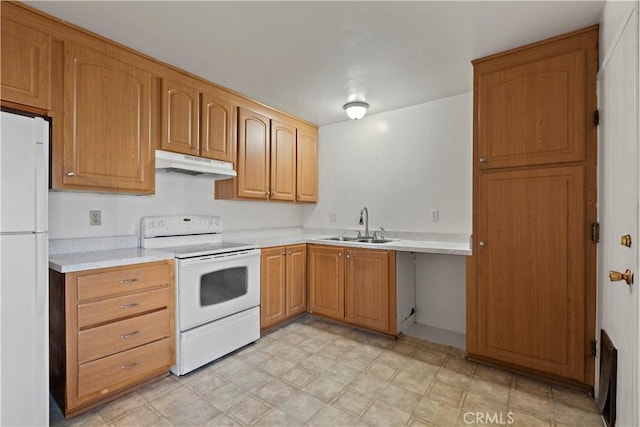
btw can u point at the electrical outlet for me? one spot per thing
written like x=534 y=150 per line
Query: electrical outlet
x=333 y=217
x=95 y=217
x=435 y=214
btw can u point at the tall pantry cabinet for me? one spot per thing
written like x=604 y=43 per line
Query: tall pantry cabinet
x=531 y=279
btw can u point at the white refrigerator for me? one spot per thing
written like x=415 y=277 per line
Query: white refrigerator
x=24 y=296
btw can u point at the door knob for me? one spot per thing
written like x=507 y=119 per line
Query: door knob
x=616 y=276
x=483 y=160
x=481 y=244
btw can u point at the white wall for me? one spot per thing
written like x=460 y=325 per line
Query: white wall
x=176 y=194
x=400 y=164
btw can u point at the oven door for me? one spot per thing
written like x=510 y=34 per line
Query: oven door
x=215 y=286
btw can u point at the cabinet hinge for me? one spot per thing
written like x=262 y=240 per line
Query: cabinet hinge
x=595 y=232
x=596 y=117
x=594 y=348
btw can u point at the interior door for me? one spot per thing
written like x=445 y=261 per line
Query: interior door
x=619 y=303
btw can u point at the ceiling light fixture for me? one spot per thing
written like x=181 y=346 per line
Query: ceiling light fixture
x=356 y=110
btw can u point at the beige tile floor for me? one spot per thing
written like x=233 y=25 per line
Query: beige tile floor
x=314 y=372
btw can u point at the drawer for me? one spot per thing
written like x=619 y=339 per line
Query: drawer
x=115 y=337
x=107 y=310
x=122 y=280
x=109 y=374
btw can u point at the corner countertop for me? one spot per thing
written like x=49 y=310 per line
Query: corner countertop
x=78 y=261
x=69 y=255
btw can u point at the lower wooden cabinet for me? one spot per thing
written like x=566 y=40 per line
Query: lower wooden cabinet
x=353 y=285
x=283 y=291
x=110 y=330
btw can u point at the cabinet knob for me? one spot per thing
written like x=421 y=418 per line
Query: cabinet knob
x=266 y=193
x=481 y=244
x=348 y=256
x=299 y=195
x=71 y=174
x=290 y=253
x=284 y=253
x=339 y=253
x=483 y=160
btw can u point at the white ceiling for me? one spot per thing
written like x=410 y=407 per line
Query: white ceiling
x=309 y=58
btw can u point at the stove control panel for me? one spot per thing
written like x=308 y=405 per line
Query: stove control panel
x=161 y=226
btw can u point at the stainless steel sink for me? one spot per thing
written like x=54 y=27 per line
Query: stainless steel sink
x=365 y=240
x=341 y=238
x=356 y=239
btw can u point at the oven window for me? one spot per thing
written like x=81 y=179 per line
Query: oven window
x=223 y=285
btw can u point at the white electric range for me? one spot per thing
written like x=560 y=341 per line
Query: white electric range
x=217 y=287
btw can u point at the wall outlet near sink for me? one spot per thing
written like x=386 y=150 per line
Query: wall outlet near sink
x=435 y=214
x=333 y=217
x=95 y=217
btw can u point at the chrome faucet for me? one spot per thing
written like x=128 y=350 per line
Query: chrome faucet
x=364 y=211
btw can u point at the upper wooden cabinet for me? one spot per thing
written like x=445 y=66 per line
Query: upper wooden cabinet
x=277 y=160
x=307 y=165
x=180 y=118
x=107 y=117
x=197 y=120
x=283 y=161
x=217 y=126
x=254 y=146
x=26 y=65
x=532 y=107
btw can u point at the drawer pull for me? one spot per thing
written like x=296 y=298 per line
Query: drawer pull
x=127 y=281
x=130 y=365
x=130 y=334
x=126 y=306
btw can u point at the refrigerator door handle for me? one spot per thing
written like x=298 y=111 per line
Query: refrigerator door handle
x=41 y=139
x=42 y=275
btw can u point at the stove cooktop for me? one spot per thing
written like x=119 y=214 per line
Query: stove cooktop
x=215 y=248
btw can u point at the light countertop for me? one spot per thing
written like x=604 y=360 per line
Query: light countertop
x=68 y=255
x=78 y=261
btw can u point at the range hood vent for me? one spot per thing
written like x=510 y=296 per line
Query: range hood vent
x=192 y=165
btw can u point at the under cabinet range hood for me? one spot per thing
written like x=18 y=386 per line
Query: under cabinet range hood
x=192 y=165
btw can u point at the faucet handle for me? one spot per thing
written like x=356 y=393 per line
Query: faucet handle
x=375 y=235
x=359 y=234
x=382 y=232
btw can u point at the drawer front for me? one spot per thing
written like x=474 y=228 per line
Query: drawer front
x=115 y=337
x=122 y=280
x=109 y=374
x=111 y=309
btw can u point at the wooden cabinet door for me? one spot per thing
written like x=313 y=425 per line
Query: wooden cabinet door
x=254 y=145
x=272 y=290
x=307 y=165
x=296 y=279
x=532 y=104
x=367 y=288
x=26 y=65
x=530 y=300
x=180 y=118
x=107 y=119
x=283 y=161
x=217 y=128
x=326 y=281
